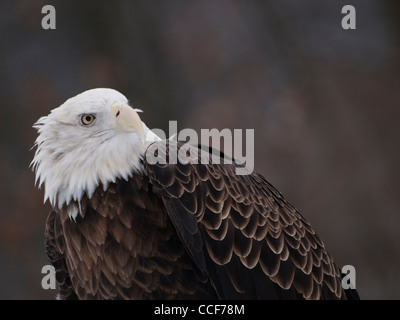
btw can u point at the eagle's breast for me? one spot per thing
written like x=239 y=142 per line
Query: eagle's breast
x=122 y=245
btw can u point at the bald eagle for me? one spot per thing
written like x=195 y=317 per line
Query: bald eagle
x=122 y=227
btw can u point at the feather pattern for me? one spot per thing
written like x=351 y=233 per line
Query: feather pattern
x=246 y=224
x=188 y=231
x=127 y=249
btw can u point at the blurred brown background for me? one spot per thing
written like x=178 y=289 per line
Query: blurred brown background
x=324 y=103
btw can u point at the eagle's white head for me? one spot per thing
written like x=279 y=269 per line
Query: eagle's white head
x=91 y=139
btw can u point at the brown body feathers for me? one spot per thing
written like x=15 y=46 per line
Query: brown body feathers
x=189 y=231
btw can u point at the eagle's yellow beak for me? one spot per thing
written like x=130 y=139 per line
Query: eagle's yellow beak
x=126 y=119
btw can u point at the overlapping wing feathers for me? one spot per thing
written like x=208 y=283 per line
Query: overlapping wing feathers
x=240 y=231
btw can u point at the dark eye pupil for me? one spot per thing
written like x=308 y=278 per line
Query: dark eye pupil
x=87 y=119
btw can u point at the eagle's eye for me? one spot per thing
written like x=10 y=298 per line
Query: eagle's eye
x=87 y=119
